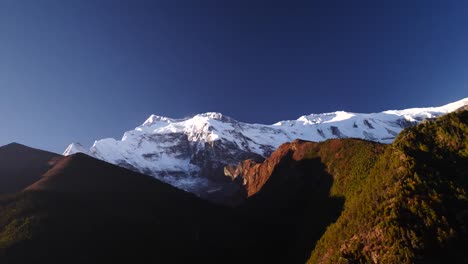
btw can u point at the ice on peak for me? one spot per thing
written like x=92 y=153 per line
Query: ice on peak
x=213 y=115
x=216 y=116
x=75 y=148
x=155 y=118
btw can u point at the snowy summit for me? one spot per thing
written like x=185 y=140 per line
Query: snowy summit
x=191 y=153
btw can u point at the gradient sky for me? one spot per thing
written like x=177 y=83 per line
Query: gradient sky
x=84 y=70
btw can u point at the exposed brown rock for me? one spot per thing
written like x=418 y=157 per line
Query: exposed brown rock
x=255 y=175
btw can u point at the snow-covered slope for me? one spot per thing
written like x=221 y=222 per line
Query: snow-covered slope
x=191 y=153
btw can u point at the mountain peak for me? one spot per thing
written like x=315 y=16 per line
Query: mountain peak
x=212 y=115
x=216 y=116
x=156 y=118
x=12 y=144
x=75 y=148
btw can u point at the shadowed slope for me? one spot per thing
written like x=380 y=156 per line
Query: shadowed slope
x=85 y=210
x=293 y=198
x=21 y=166
x=81 y=174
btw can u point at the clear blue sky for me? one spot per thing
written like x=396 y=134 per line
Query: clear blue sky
x=85 y=70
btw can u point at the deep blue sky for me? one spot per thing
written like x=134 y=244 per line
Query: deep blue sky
x=84 y=70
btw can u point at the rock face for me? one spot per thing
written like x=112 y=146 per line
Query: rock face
x=254 y=175
x=191 y=153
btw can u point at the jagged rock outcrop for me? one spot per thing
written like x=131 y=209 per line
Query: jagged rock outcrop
x=254 y=175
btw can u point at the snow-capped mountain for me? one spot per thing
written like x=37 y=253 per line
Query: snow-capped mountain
x=191 y=153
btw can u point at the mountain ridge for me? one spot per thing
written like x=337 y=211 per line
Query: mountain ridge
x=191 y=153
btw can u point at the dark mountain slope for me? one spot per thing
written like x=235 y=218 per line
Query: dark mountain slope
x=21 y=166
x=80 y=174
x=88 y=211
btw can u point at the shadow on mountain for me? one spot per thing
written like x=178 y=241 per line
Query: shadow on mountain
x=84 y=210
x=50 y=227
x=282 y=222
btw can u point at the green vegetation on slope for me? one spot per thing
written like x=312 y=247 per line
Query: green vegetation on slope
x=411 y=206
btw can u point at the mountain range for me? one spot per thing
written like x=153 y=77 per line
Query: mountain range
x=341 y=200
x=337 y=201
x=191 y=153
